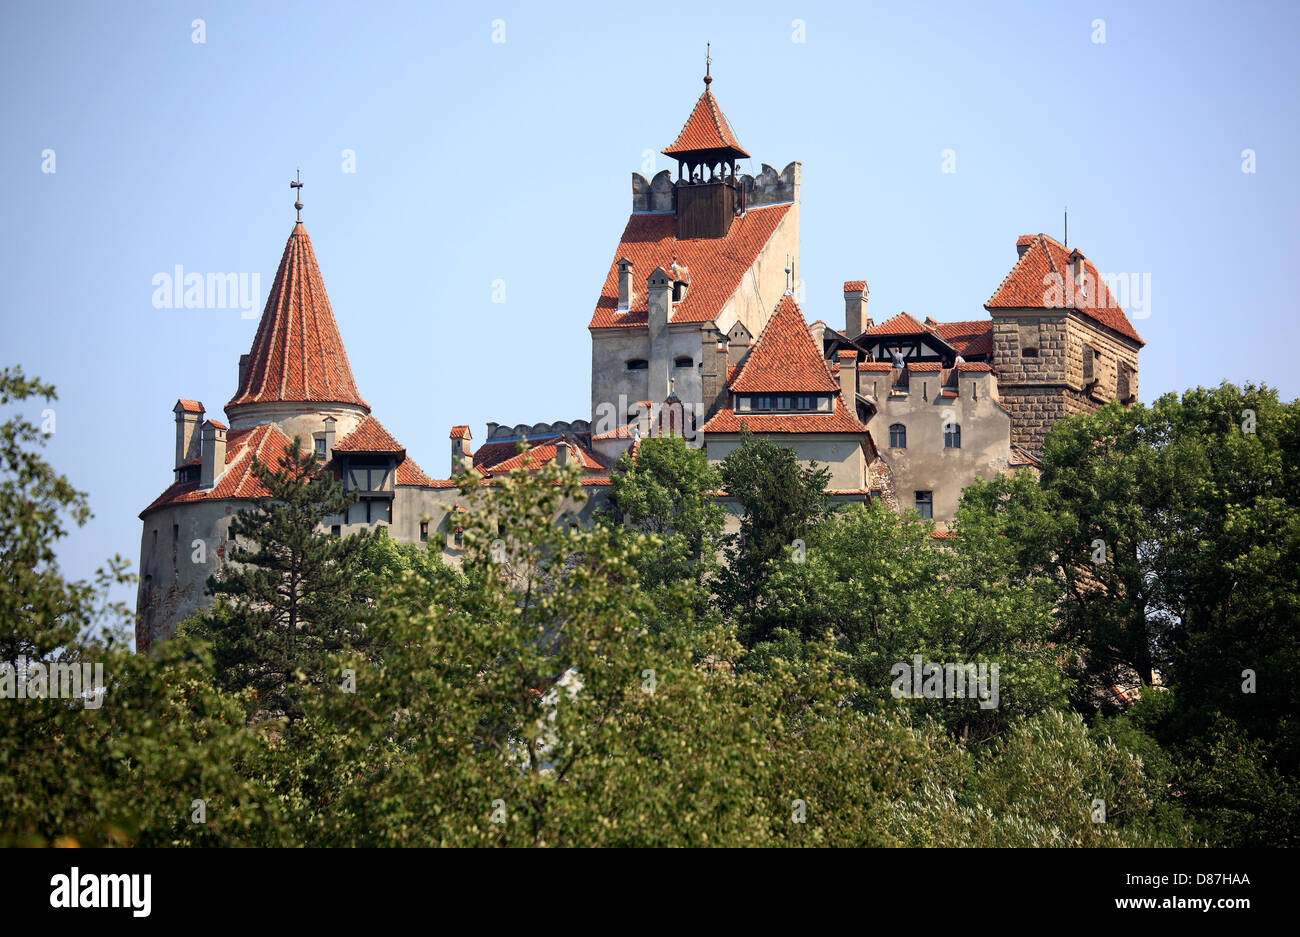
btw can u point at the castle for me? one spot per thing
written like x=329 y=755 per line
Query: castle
x=696 y=333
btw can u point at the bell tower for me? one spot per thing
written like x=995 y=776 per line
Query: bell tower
x=707 y=195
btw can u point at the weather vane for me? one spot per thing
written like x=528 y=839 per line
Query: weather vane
x=297 y=203
x=708 y=60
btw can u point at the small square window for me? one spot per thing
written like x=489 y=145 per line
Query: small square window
x=424 y=530
x=320 y=447
x=336 y=531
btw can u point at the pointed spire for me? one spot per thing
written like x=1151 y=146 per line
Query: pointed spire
x=706 y=134
x=297 y=201
x=297 y=354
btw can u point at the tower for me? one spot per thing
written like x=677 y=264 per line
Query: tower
x=1061 y=343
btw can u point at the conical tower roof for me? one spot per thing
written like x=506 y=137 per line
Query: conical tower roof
x=297 y=354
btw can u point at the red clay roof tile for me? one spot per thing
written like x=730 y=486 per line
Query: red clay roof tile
x=650 y=241
x=369 y=436
x=785 y=358
x=297 y=354
x=1024 y=286
x=706 y=129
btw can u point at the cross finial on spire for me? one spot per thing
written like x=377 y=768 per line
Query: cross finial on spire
x=788 y=271
x=297 y=202
x=708 y=60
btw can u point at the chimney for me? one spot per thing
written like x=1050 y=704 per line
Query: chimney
x=625 y=293
x=855 y=308
x=214 y=453
x=713 y=370
x=189 y=416
x=659 y=302
x=331 y=425
x=243 y=370
x=818 y=332
x=460 y=440
x=562 y=453
x=849 y=379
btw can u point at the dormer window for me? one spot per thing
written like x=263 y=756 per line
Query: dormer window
x=679 y=291
x=637 y=364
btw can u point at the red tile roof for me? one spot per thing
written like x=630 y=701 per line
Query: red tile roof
x=238 y=480
x=216 y=423
x=297 y=354
x=846 y=353
x=854 y=286
x=705 y=129
x=459 y=432
x=650 y=241
x=727 y=420
x=901 y=324
x=621 y=432
x=875 y=366
x=1024 y=288
x=370 y=436
x=965 y=336
x=538 y=456
x=784 y=358
x=410 y=474
x=189 y=406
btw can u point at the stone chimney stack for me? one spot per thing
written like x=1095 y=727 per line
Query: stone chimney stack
x=214 y=453
x=849 y=379
x=331 y=425
x=189 y=416
x=659 y=300
x=625 y=292
x=460 y=448
x=855 y=308
x=243 y=370
x=713 y=370
x=562 y=454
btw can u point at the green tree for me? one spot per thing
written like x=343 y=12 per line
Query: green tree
x=782 y=502
x=289 y=595
x=121 y=764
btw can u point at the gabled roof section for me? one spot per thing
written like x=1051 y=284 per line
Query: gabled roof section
x=370 y=436
x=901 y=324
x=1024 y=286
x=785 y=358
x=298 y=354
x=706 y=131
x=717 y=265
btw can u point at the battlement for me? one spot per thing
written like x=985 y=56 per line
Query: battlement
x=769 y=187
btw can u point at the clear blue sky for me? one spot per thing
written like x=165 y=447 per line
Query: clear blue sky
x=478 y=161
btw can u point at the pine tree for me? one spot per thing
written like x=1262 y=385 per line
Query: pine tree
x=289 y=595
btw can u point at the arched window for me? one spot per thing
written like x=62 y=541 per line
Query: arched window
x=638 y=364
x=898 y=436
x=683 y=362
x=952 y=435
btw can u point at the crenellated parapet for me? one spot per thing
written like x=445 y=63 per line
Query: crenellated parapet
x=768 y=187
